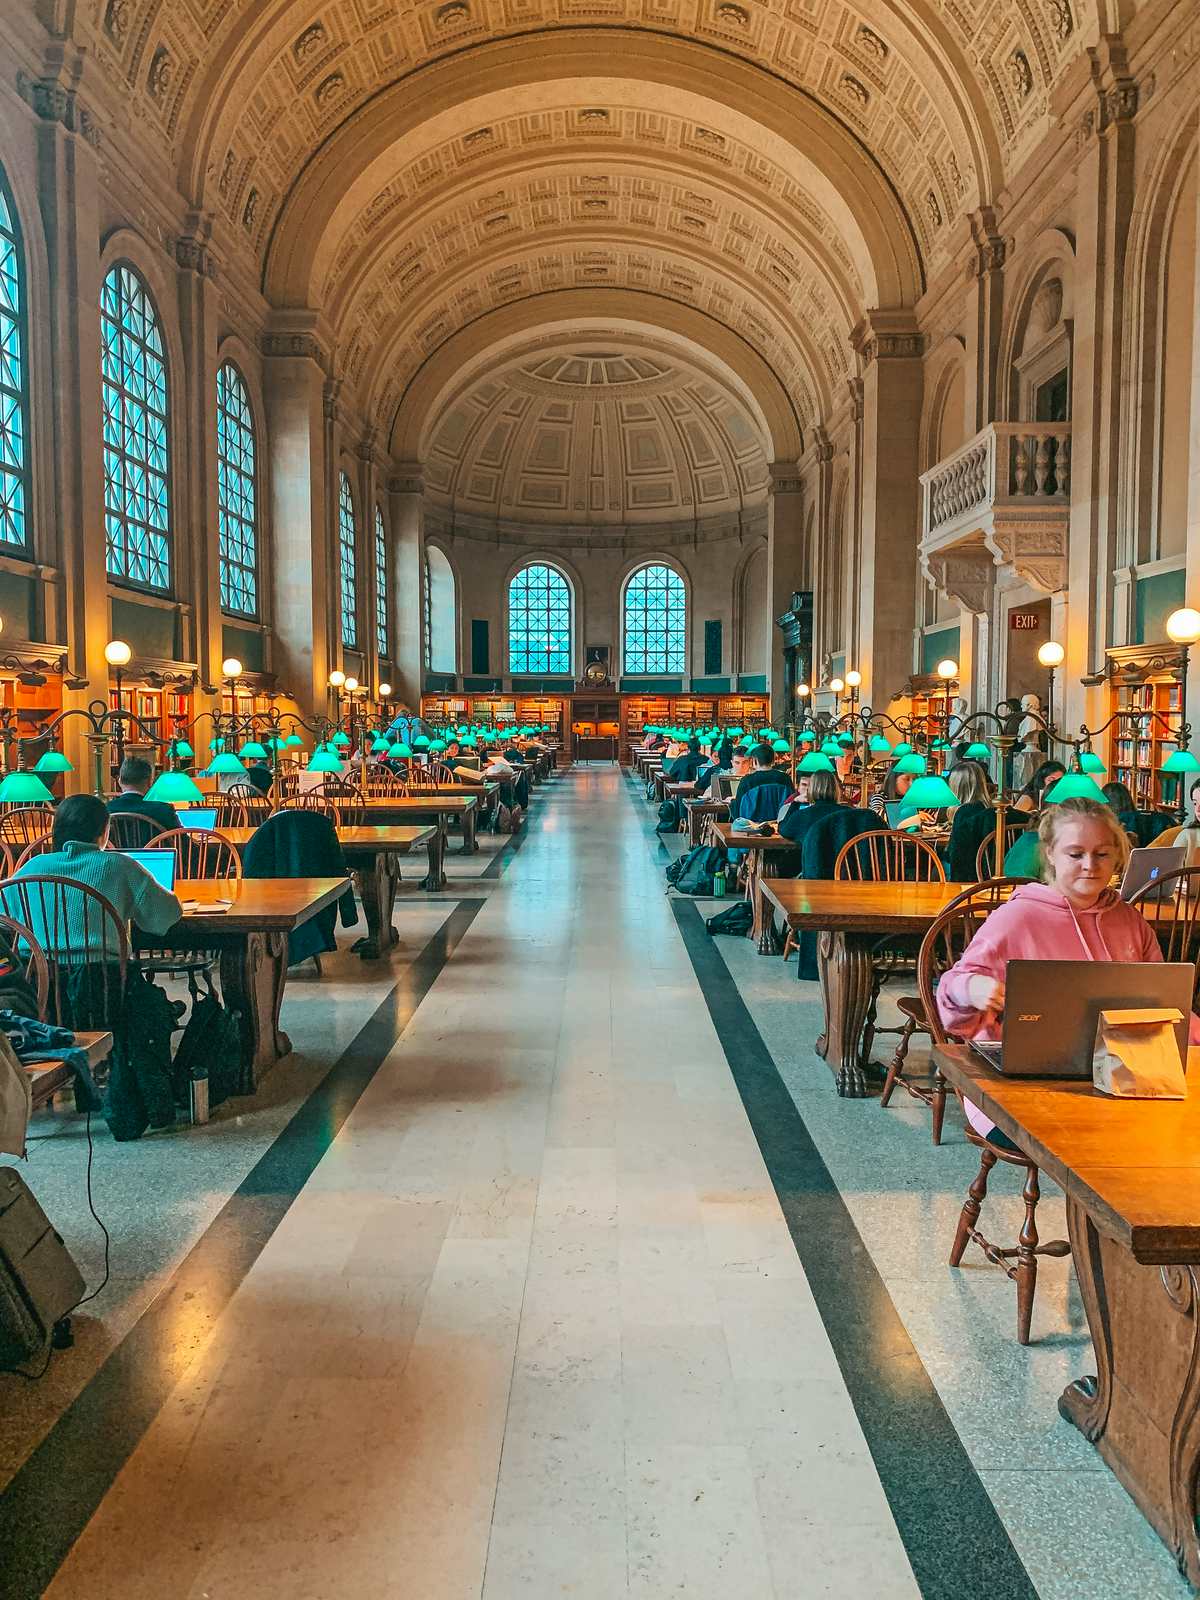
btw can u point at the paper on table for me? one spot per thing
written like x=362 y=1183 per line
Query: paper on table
x=1137 y=1056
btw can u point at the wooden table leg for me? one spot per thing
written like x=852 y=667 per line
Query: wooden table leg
x=435 y=878
x=1142 y=1408
x=469 y=845
x=377 y=890
x=253 y=975
x=764 y=917
x=844 y=964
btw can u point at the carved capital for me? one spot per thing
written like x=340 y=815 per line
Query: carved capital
x=966 y=575
x=409 y=479
x=824 y=446
x=53 y=101
x=1037 y=553
x=784 y=478
x=192 y=251
x=298 y=346
x=887 y=336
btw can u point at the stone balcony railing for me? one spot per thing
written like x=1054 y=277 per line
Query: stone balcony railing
x=1003 y=498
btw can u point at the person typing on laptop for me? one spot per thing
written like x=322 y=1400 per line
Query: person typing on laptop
x=1074 y=915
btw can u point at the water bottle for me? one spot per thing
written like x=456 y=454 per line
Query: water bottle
x=719 y=884
x=198 y=1095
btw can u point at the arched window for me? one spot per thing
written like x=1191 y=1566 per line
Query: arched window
x=382 y=631
x=539 y=621
x=14 y=382
x=440 y=609
x=237 y=494
x=655 y=622
x=347 y=563
x=137 y=469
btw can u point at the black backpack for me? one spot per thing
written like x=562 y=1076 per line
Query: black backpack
x=693 y=873
x=736 y=919
x=211 y=1047
x=668 y=817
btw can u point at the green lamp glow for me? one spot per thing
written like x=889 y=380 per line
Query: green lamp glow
x=53 y=761
x=879 y=746
x=734 y=733
x=781 y=746
x=226 y=761
x=1181 y=761
x=928 y=794
x=902 y=749
x=814 y=761
x=23 y=788
x=400 y=751
x=253 y=751
x=807 y=737
x=1076 y=786
x=831 y=748
x=437 y=746
x=978 y=752
x=846 y=740
x=324 y=761
x=293 y=741
x=174 y=787
x=340 y=738
x=379 y=746
x=911 y=763
x=421 y=742
x=216 y=745
x=276 y=744
x=182 y=749
x=747 y=741
x=1090 y=762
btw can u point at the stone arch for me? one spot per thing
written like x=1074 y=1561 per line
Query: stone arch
x=1049 y=257
x=752 y=618
x=574 y=581
x=945 y=389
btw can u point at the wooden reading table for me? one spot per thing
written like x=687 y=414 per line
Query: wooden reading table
x=372 y=853
x=1130 y=1170
x=437 y=807
x=850 y=919
x=698 y=813
x=251 y=936
x=46 y=1078
x=761 y=849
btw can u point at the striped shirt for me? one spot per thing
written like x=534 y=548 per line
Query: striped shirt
x=128 y=886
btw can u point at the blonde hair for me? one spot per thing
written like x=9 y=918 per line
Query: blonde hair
x=969 y=782
x=1054 y=817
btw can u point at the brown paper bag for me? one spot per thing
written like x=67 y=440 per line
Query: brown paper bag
x=1137 y=1055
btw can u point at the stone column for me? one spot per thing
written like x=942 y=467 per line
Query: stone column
x=884 y=577
x=406 y=490
x=784 y=565
x=985 y=311
x=1103 y=208
x=293 y=387
x=69 y=190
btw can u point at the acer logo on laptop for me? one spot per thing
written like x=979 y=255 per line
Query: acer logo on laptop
x=1030 y=1016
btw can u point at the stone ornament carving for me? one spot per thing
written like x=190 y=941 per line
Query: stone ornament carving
x=309 y=42
x=250 y=210
x=956 y=180
x=967 y=575
x=870 y=41
x=330 y=90
x=1020 y=74
x=226 y=178
x=452 y=15
x=733 y=15
x=933 y=209
x=194 y=255
x=158 y=79
x=51 y=102
x=116 y=20
x=855 y=88
x=1046 y=311
x=1036 y=553
x=1061 y=17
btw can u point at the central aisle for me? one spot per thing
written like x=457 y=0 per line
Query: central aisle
x=536 y=1325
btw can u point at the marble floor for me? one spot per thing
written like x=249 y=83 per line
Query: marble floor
x=551 y=1266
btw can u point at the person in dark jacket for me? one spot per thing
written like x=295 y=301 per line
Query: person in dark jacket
x=762 y=771
x=134 y=779
x=683 y=768
x=303 y=844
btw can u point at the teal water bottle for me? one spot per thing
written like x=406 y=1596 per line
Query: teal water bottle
x=719 y=883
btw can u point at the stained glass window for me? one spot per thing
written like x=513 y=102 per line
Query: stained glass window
x=655 y=622
x=14 y=383
x=137 y=473
x=237 y=523
x=539 y=621
x=347 y=560
x=381 y=587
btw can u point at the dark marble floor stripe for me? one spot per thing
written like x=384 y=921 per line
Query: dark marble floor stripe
x=955 y=1539
x=49 y=1501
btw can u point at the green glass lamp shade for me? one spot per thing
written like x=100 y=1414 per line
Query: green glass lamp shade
x=879 y=745
x=470 y=742
x=807 y=737
x=913 y=763
x=781 y=746
x=226 y=761
x=253 y=751
x=174 y=788
x=421 y=742
x=846 y=740
x=324 y=761
x=216 y=745
x=831 y=748
x=734 y=733
x=978 y=752
x=293 y=741
x=379 y=746
x=929 y=794
x=814 y=761
x=1076 y=786
x=902 y=749
x=23 y=788
x=1090 y=762
x=766 y=733
x=276 y=744
x=340 y=738
x=53 y=761
x=1181 y=761
x=437 y=745
x=182 y=749
x=747 y=741
x=400 y=751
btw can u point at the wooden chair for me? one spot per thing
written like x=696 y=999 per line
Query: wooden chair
x=349 y=800
x=438 y=775
x=39 y=847
x=941 y=947
x=248 y=796
x=1171 y=905
x=986 y=864
x=200 y=853
x=382 y=782
x=37 y=967
x=287 y=779
x=129 y=830
x=313 y=800
x=77 y=928
x=975 y=903
x=23 y=824
x=8 y=863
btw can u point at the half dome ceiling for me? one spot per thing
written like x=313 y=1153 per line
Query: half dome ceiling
x=607 y=436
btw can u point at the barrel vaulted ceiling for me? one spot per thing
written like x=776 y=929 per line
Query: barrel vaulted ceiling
x=404 y=169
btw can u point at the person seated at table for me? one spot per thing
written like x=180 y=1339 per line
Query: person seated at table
x=683 y=768
x=78 y=851
x=761 y=793
x=261 y=776
x=972 y=821
x=133 y=780
x=1072 y=915
x=1142 y=825
x=716 y=760
x=1033 y=796
x=1187 y=833
x=817 y=796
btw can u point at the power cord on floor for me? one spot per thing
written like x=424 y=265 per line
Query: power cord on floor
x=61 y=1337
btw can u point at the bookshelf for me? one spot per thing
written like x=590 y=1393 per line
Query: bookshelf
x=1140 y=740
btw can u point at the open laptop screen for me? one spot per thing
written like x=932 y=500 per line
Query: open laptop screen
x=160 y=864
x=198 y=817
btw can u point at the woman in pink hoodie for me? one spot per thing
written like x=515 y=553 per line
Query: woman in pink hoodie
x=1074 y=916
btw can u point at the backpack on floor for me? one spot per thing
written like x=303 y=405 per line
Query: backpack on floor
x=694 y=871
x=735 y=919
x=211 y=1047
x=668 y=817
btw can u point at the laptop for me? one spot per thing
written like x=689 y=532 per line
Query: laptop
x=723 y=785
x=1051 y=1009
x=199 y=817
x=1148 y=866
x=160 y=864
x=893 y=810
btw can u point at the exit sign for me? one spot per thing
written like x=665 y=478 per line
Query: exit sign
x=1024 y=621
